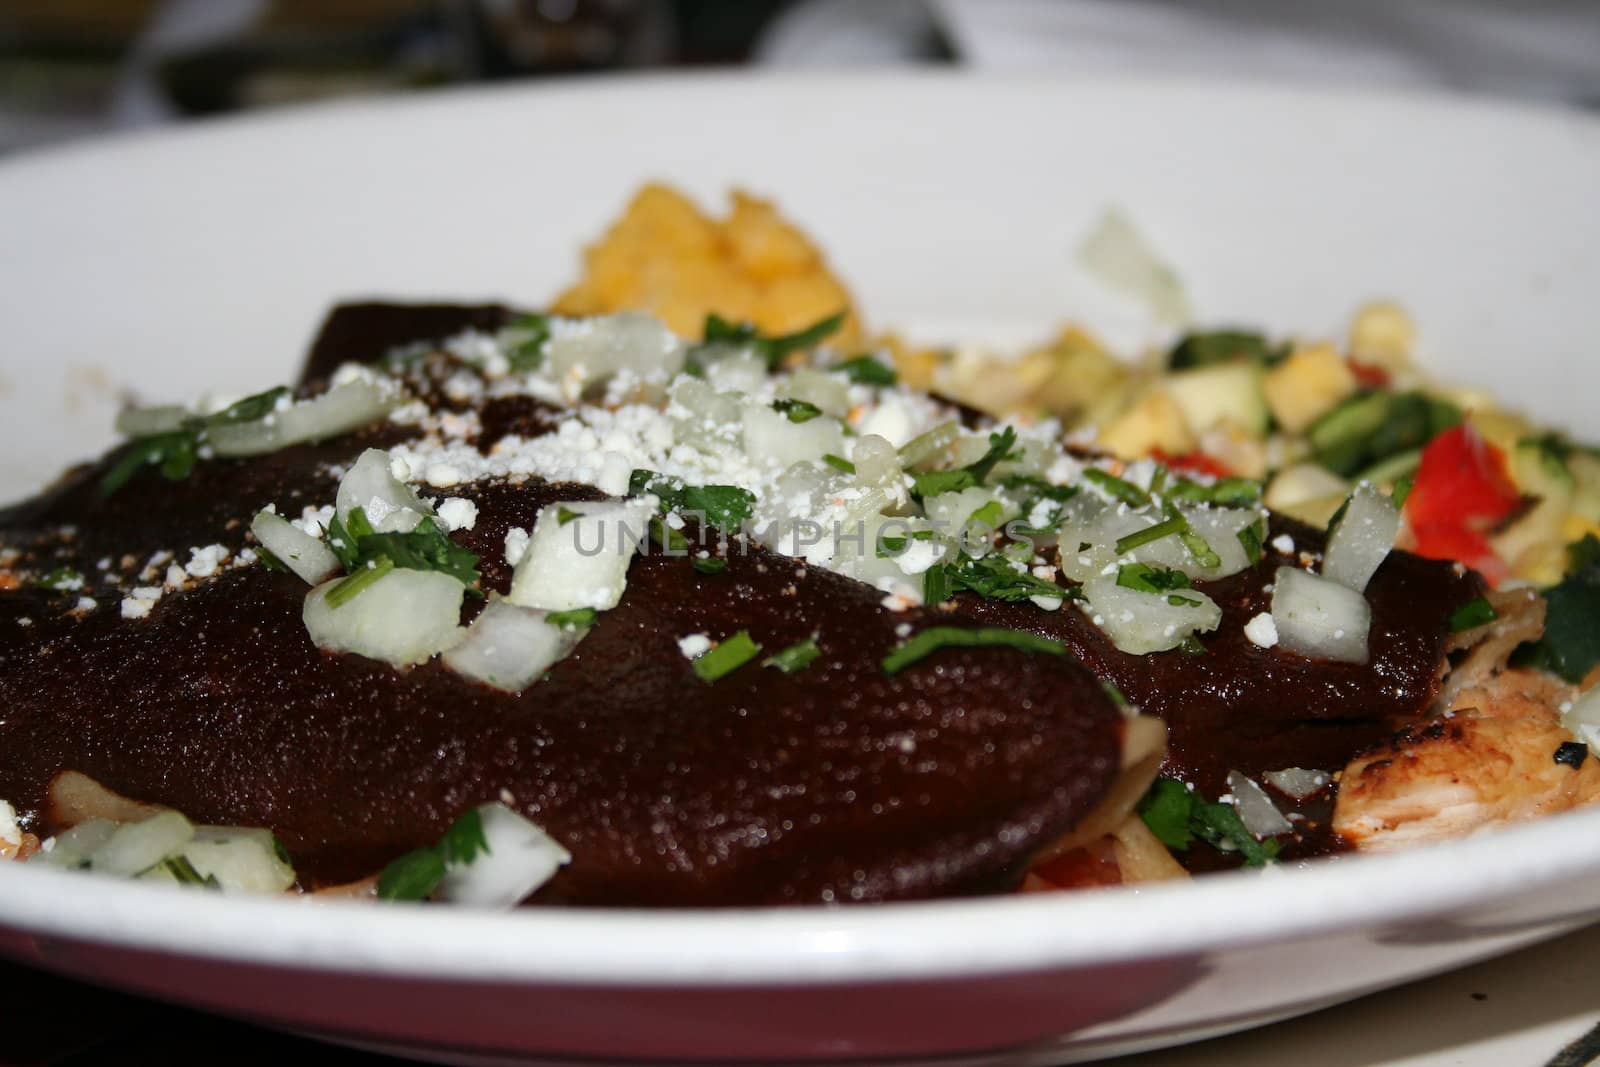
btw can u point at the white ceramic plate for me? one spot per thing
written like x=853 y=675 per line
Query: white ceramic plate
x=203 y=259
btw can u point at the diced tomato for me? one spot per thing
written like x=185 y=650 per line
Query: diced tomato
x=1462 y=490
x=1194 y=462
x=1369 y=375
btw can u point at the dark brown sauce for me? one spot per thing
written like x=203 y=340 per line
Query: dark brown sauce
x=835 y=783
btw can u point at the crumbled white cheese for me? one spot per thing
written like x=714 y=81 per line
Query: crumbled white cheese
x=516 y=544
x=694 y=645
x=137 y=604
x=1284 y=543
x=1262 y=630
x=10 y=832
x=203 y=562
x=457 y=513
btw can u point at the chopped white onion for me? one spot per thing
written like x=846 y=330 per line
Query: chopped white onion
x=389 y=504
x=1138 y=622
x=1583 y=719
x=1320 y=618
x=878 y=467
x=242 y=860
x=951 y=514
x=1256 y=810
x=1298 y=782
x=1087 y=520
x=307 y=556
x=926 y=446
x=135 y=847
x=815 y=387
x=144 y=422
x=73 y=848
x=587 y=350
x=404 y=617
x=521 y=857
x=583 y=562
x=701 y=415
x=1363 y=538
x=739 y=371
x=770 y=436
x=507 y=647
x=341 y=409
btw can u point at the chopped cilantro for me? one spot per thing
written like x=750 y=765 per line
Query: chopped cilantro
x=1176 y=816
x=1117 y=488
x=368 y=556
x=666 y=537
x=772 y=349
x=576 y=618
x=991 y=577
x=796 y=410
x=988 y=515
x=1226 y=493
x=932 y=483
x=934 y=638
x=176 y=452
x=1165 y=528
x=1471 y=615
x=359 y=581
x=183 y=871
x=61 y=580
x=415 y=875
x=721 y=505
x=796 y=657
x=1027 y=485
x=524 y=340
x=867 y=370
x=727 y=657
x=270 y=561
x=710 y=565
x=1149 y=578
x=839 y=463
x=564 y=516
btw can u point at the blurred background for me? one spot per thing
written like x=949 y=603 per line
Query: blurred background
x=73 y=68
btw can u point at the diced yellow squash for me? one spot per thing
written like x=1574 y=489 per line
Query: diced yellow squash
x=1221 y=392
x=1503 y=429
x=1307 y=385
x=1154 y=422
x=1382 y=333
x=1085 y=381
x=1585 y=470
x=1531 y=544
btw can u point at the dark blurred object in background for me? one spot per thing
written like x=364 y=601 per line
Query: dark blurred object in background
x=72 y=67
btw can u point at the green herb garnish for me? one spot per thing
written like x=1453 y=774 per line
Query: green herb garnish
x=269 y=560
x=839 y=463
x=666 y=537
x=1148 y=578
x=1250 y=541
x=524 y=340
x=727 y=657
x=772 y=349
x=176 y=452
x=182 y=871
x=988 y=515
x=991 y=577
x=359 y=581
x=1165 y=528
x=1218 y=346
x=564 y=516
x=1118 y=488
x=417 y=874
x=796 y=657
x=368 y=556
x=720 y=505
x=796 y=410
x=934 y=638
x=867 y=370
x=1176 y=816
x=61 y=580
x=710 y=565
x=574 y=618
x=1226 y=493
x=932 y=483
x=1471 y=615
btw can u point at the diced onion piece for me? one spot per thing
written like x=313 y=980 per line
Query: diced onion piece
x=1298 y=782
x=389 y=504
x=770 y=436
x=1138 y=622
x=1301 y=483
x=1089 y=521
x=582 y=563
x=73 y=848
x=341 y=409
x=816 y=387
x=1117 y=254
x=307 y=556
x=1256 y=810
x=1219 y=528
x=521 y=858
x=242 y=860
x=1320 y=618
x=507 y=647
x=1089 y=532
x=1363 y=538
x=739 y=371
x=135 y=847
x=404 y=617
x=954 y=515
x=1583 y=719
x=878 y=467
x=923 y=447
x=144 y=422
x=700 y=414
x=587 y=350
x=891 y=420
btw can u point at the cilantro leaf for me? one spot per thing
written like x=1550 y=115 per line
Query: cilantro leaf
x=867 y=370
x=576 y=618
x=796 y=657
x=1218 y=346
x=1167 y=810
x=524 y=340
x=728 y=656
x=1149 y=578
x=772 y=349
x=415 y=875
x=721 y=505
x=1177 y=816
x=1570 y=646
x=796 y=411
x=931 y=640
x=710 y=565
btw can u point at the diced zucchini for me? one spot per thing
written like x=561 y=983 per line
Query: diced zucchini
x=1306 y=386
x=1218 y=346
x=1382 y=333
x=1224 y=392
x=1373 y=426
x=1539 y=472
